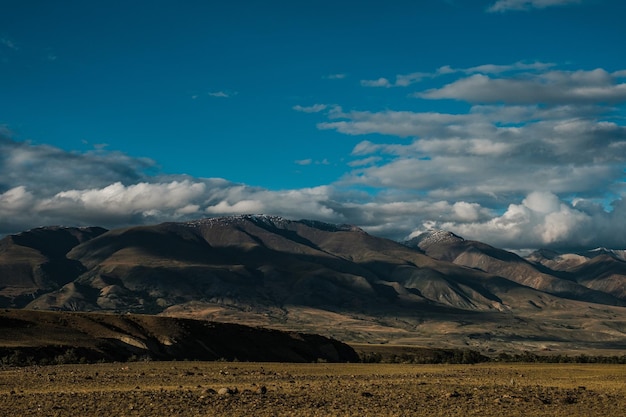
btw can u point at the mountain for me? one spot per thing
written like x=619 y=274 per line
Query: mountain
x=259 y=261
x=555 y=260
x=600 y=269
x=62 y=336
x=438 y=290
x=449 y=247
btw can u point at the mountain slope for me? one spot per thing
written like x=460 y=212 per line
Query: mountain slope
x=35 y=261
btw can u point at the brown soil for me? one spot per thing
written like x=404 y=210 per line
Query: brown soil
x=263 y=389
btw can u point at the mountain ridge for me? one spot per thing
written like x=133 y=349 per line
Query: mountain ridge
x=336 y=280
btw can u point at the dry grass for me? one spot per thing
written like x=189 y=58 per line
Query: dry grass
x=191 y=389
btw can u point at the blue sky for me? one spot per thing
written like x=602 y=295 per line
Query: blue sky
x=502 y=121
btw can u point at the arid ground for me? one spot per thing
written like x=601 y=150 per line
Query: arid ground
x=271 y=389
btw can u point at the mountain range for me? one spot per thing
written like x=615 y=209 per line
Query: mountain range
x=435 y=290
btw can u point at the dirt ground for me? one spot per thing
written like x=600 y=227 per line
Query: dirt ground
x=269 y=389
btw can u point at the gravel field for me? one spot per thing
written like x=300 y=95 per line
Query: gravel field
x=271 y=389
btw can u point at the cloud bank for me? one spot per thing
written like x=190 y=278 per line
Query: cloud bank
x=536 y=159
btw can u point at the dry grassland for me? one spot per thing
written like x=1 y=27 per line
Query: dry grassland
x=269 y=389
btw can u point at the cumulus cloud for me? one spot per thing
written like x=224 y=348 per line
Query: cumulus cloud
x=553 y=87
x=15 y=200
x=120 y=200
x=543 y=220
x=508 y=5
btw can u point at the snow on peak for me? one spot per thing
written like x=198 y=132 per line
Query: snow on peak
x=228 y=220
x=432 y=237
x=268 y=221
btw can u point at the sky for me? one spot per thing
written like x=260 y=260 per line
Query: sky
x=503 y=121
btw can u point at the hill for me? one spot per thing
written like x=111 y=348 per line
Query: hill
x=60 y=337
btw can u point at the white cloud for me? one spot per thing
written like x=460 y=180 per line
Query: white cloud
x=189 y=209
x=309 y=161
x=118 y=198
x=221 y=94
x=507 y=5
x=242 y=206
x=365 y=161
x=381 y=82
x=466 y=211
x=339 y=76
x=498 y=69
x=395 y=123
x=542 y=220
x=402 y=80
x=500 y=151
x=315 y=108
x=113 y=190
x=405 y=80
x=554 y=87
x=15 y=200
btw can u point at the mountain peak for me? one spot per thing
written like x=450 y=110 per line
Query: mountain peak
x=431 y=237
x=267 y=220
x=613 y=253
x=237 y=219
